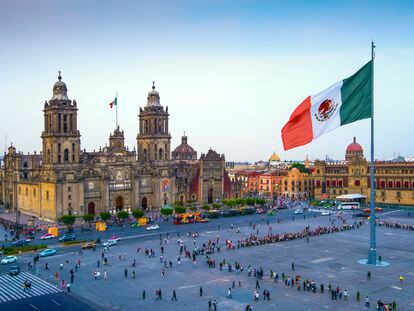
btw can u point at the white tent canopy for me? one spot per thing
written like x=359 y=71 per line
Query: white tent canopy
x=353 y=196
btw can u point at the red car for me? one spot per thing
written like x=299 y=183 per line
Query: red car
x=47 y=236
x=114 y=238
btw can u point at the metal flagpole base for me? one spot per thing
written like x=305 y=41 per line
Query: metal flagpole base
x=372 y=257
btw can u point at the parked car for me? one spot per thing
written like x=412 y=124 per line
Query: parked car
x=8 y=259
x=47 y=236
x=88 y=245
x=153 y=227
x=114 y=238
x=298 y=211
x=325 y=213
x=14 y=270
x=47 y=252
x=20 y=243
x=110 y=243
x=68 y=237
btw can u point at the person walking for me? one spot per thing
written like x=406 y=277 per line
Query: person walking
x=215 y=305
x=98 y=263
x=201 y=291
x=143 y=294
x=257 y=284
x=358 y=296
x=209 y=305
x=174 y=296
x=401 y=279
x=369 y=275
x=68 y=287
x=126 y=272
x=105 y=275
x=229 y=293
x=293 y=266
x=367 y=302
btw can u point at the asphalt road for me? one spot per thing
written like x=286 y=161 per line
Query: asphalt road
x=60 y=301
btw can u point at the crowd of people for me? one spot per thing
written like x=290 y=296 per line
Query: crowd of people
x=395 y=225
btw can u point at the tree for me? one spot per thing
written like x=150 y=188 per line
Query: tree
x=180 y=209
x=137 y=213
x=206 y=207
x=105 y=215
x=88 y=217
x=301 y=167
x=260 y=201
x=193 y=208
x=216 y=205
x=122 y=215
x=166 y=211
x=68 y=220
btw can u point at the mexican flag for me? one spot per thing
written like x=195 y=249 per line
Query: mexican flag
x=113 y=103
x=344 y=102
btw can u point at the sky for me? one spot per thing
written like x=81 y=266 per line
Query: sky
x=230 y=72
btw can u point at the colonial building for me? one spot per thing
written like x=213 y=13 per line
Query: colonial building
x=64 y=179
x=394 y=180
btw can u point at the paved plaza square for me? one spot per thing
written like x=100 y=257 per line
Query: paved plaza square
x=328 y=259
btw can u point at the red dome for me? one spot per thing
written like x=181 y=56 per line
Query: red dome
x=354 y=146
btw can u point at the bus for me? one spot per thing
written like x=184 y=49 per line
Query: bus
x=349 y=205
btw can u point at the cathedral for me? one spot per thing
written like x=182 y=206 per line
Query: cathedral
x=64 y=179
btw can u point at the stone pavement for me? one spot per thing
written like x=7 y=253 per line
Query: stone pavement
x=328 y=258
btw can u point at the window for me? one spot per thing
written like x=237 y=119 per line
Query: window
x=390 y=184
x=65 y=123
x=69 y=197
x=333 y=183
x=69 y=189
x=160 y=154
x=27 y=191
x=59 y=122
x=357 y=182
x=383 y=193
x=339 y=183
x=66 y=156
x=318 y=183
x=34 y=192
x=71 y=122
x=382 y=184
x=328 y=183
x=398 y=194
x=145 y=154
x=47 y=195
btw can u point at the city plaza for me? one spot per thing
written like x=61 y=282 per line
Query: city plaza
x=328 y=259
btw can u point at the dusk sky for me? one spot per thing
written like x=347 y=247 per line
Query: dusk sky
x=230 y=72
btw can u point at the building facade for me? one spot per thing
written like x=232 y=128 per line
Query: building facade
x=64 y=179
x=394 y=180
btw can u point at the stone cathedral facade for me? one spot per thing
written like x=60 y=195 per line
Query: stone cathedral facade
x=64 y=179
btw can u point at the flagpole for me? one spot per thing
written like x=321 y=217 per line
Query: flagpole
x=372 y=255
x=116 y=109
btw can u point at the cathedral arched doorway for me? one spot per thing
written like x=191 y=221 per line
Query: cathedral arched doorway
x=119 y=203
x=91 y=208
x=210 y=196
x=144 y=203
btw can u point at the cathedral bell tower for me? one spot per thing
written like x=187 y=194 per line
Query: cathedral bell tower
x=61 y=138
x=153 y=140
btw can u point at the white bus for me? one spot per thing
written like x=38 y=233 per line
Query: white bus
x=349 y=205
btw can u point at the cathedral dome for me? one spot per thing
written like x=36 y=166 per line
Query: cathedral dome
x=354 y=146
x=60 y=91
x=274 y=158
x=184 y=151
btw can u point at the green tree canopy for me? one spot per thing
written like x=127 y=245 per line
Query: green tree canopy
x=105 y=215
x=301 y=167
x=88 y=217
x=180 y=209
x=166 y=211
x=122 y=215
x=205 y=207
x=137 y=213
x=68 y=220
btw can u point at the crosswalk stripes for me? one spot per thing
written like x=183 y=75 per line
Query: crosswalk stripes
x=11 y=287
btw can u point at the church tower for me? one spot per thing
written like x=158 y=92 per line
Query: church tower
x=61 y=138
x=153 y=140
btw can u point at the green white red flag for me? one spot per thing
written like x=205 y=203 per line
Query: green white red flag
x=344 y=102
x=113 y=103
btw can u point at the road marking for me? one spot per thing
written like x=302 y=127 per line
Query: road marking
x=34 y=307
x=396 y=287
x=324 y=259
x=55 y=302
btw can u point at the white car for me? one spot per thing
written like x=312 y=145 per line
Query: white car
x=110 y=243
x=153 y=227
x=8 y=259
x=298 y=211
x=325 y=213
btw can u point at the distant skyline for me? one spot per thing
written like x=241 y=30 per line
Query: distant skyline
x=230 y=72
